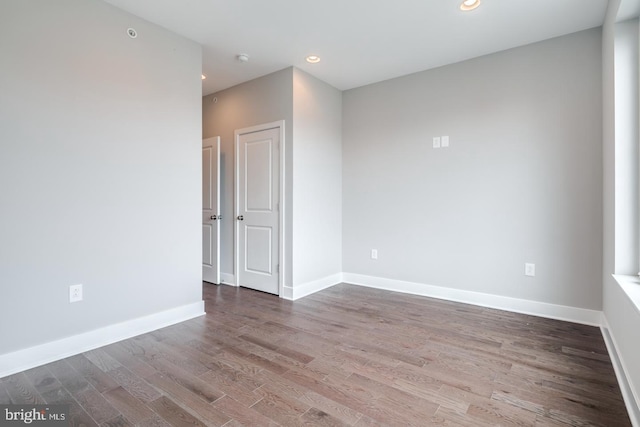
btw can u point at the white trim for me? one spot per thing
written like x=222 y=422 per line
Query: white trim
x=227 y=279
x=305 y=289
x=281 y=212
x=287 y=293
x=629 y=395
x=210 y=143
x=631 y=287
x=28 y=358
x=535 y=308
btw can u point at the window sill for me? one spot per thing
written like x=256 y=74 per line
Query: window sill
x=631 y=286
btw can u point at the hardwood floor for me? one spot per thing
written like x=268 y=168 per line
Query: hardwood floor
x=344 y=356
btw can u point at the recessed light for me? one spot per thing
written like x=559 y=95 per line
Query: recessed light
x=313 y=59
x=204 y=77
x=469 y=5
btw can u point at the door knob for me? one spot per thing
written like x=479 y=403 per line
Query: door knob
x=240 y=218
x=214 y=217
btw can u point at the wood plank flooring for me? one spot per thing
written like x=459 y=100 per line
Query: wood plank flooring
x=346 y=356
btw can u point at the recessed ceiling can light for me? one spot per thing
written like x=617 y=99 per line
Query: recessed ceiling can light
x=469 y=5
x=313 y=59
x=132 y=33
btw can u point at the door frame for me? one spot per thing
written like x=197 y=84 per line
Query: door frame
x=281 y=203
x=216 y=203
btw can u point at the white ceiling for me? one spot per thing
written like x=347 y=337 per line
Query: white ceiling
x=359 y=41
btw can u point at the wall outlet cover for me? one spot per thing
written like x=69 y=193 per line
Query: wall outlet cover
x=75 y=293
x=529 y=269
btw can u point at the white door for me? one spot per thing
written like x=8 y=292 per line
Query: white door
x=257 y=205
x=211 y=210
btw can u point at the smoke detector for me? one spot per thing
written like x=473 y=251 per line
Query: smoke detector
x=243 y=57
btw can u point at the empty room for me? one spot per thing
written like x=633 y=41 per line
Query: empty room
x=356 y=213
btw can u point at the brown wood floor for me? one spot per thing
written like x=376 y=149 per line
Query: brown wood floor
x=345 y=356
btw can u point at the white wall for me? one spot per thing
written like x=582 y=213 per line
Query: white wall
x=626 y=147
x=100 y=169
x=317 y=179
x=608 y=145
x=263 y=100
x=521 y=182
x=621 y=55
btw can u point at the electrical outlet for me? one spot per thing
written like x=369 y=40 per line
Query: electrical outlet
x=374 y=254
x=75 y=293
x=529 y=269
x=436 y=142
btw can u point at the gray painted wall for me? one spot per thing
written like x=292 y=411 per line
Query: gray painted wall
x=317 y=179
x=312 y=113
x=521 y=182
x=100 y=169
x=263 y=100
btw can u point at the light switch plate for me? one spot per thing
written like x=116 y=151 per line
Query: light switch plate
x=445 y=141
x=436 y=142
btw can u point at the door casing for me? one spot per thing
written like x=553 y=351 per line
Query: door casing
x=212 y=274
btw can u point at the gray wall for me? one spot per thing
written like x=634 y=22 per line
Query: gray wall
x=521 y=182
x=312 y=113
x=263 y=100
x=317 y=179
x=100 y=169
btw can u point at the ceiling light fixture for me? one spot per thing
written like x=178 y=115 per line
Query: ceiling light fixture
x=243 y=57
x=313 y=59
x=204 y=77
x=469 y=5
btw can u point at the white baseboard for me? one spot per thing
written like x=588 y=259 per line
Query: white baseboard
x=227 y=279
x=287 y=293
x=631 y=398
x=301 y=291
x=42 y=354
x=535 y=308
